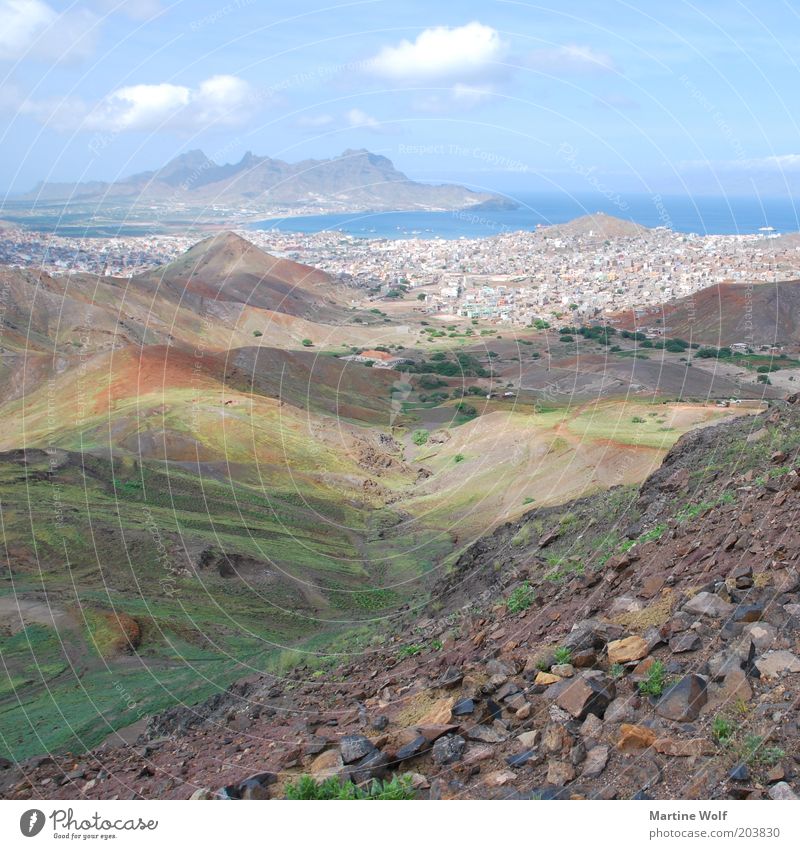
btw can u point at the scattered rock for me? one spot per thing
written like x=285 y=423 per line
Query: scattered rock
x=485 y=734
x=589 y=693
x=684 y=748
x=782 y=792
x=742 y=576
x=326 y=765
x=451 y=677
x=500 y=777
x=635 y=737
x=530 y=739
x=592 y=727
x=682 y=701
x=416 y=747
x=560 y=773
x=448 y=749
x=775 y=663
x=595 y=763
x=372 y=765
x=627 y=650
x=354 y=746
x=203 y=793
x=463 y=707
x=710 y=605
x=686 y=641
x=521 y=758
x=621 y=710
x=741 y=772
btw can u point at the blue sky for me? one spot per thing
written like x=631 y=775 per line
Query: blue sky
x=584 y=96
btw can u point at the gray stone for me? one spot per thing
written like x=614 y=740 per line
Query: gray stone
x=722 y=663
x=710 y=605
x=485 y=734
x=685 y=641
x=782 y=792
x=416 y=747
x=761 y=634
x=741 y=772
x=463 y=707
x=354 y=746
x=620 y=710
x=373 y=765
x=775 y=663
x=595 y=763
x=448 y=749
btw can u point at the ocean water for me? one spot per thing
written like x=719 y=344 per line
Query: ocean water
x=704 y=215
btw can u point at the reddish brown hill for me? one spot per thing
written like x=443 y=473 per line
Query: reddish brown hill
x=228 y=268
x=305 y=380
x=755 y=313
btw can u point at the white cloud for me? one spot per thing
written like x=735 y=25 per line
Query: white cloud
x=570 y=59
x=218 y=101
x=443 y=54
x=352 y=119
x=221 y=100
x=457 y=98
x=33 y=29
x=359 y=118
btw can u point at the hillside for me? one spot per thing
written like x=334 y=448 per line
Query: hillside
x=357 y=179
x=597 y=225
x=198 y=485
x=755 y=314
x=221 y=293
x=641 y=643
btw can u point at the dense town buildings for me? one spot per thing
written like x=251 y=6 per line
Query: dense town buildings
x=511 y=277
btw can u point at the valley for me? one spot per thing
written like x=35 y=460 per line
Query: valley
x=201 y=481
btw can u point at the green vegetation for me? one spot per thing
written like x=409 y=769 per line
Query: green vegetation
x=617 y=671
x=563 y=654
x=653 y=535
x=420 y=437
x=753 y=750
x=410 y=650
x=722 y=728
x=307 y=788
x=459 y=458
x=656 y=680
x=522 y=536
x=307 y=343
x=521 y=598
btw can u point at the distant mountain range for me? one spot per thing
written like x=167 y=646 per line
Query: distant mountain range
x=356 y=180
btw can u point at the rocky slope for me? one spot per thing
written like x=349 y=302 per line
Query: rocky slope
x=642 y=643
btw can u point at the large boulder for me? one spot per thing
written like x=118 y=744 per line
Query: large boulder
x=590 y=693
x=775 y=663
x=627 y=649
x=682 y=701
x=353 y=747
x=448 y=749
x=634 y=738
x=710 y=605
